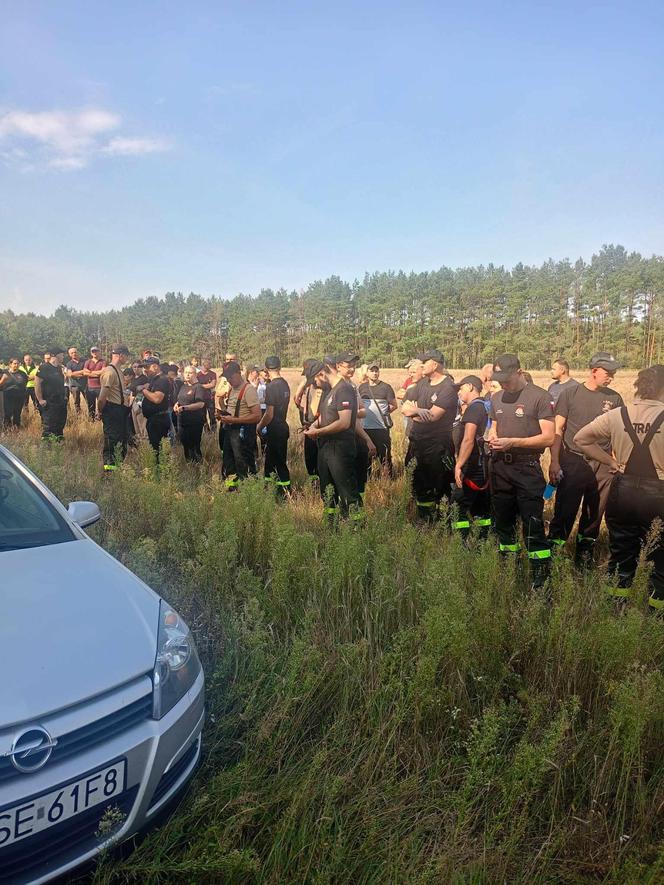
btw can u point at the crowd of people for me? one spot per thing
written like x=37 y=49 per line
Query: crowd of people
x=474 y=446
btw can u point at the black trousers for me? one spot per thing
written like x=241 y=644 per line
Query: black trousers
x=114 y=420
x=585 y=484
x=632 y=506
x=158 y=427
x=433 y=475
x=311 y=456
x=474 y=506
x=362 y=464
x=381 y=438
x=14 y=399
x=54 y=418
x=238 y=458
x=516 y=492
x=338 y=477
x=190 y=437
x=276 y=455
x=91 y=397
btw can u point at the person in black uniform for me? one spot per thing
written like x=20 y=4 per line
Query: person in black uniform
x=190 y=409
x=13 y=382
x=432 y=405
x=334 y=431
x=635 y=434
x=365 y=450
x=580 y=480
x=522 y=428
x=155 y=403
x=52 y=397
x=274 y=419
x=471 y=477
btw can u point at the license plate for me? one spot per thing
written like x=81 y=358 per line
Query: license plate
x=49 y=809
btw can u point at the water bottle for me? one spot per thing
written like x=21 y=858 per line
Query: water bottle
x=550 y=489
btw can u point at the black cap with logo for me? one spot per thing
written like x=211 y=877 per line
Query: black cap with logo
x=473 y=380
x=433 y=354
x=314 y=367
x=272 y=362
x=505 y=366
x=604 y=360
x=121 y=350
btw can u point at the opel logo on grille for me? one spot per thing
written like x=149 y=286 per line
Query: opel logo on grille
x=31 y=749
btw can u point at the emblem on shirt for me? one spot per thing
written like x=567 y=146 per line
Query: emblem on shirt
x=519 y=411
x=346 y=405
x=434 y=397
x=607 y=405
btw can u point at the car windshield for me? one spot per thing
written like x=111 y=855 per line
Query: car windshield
x=27 y=519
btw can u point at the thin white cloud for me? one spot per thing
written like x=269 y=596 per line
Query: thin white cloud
x=68 y=139
x=127 y=146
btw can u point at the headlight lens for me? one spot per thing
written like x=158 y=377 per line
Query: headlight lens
x=176 y=665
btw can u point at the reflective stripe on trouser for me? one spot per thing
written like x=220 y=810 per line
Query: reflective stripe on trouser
x=474 y=504
x=433 y=475
x=516 y=493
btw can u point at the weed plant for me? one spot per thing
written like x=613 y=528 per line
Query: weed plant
x=384 y=705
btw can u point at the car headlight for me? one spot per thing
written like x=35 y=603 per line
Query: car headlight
x=176 y=665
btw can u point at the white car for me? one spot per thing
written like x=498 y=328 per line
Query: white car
x=102 y=694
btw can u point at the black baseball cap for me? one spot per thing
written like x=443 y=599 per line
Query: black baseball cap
x=121 y=350
x=433 y=354
x=471 y=379
x=272 y=362
x=305 y=365
x=505 y=366
x=151 y=361
x=374 y=364
x=346 y=357
x=604 y=360
x=315 y=366
x=231 y=368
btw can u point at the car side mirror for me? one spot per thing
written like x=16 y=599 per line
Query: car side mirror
x=84 y=513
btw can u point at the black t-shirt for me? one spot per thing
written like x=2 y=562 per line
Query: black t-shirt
x=139 y=381
x=557 y=389
x=161 y=383
x=277 y=395
x=475 y=414
x=53 y=383
x=580 y=406
x=188 y=394
x=518 y=414
x=206 y=378
x=425 y=395
x=341 y=398
x=15 y=381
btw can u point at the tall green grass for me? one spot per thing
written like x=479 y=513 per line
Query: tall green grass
x=384 y=705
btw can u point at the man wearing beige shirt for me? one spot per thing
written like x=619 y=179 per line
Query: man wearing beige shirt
x=112 y=407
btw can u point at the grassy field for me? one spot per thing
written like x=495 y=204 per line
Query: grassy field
x=384 y=706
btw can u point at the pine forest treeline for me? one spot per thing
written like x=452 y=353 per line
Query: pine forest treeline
x=614 y=302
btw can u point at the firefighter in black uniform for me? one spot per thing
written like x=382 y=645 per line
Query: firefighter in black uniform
x=334 y=430
x=522 y=428
x=275 y=420
x=635 y=434
x=471 y=476
x=580 y=480
x=52 y=397
x=365 y=450
x=432 y=405
x=155 y=403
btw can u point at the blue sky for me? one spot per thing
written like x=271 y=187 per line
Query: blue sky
x=224 y=147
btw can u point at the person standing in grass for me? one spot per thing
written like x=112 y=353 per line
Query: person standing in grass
x=112 y=404
x=432 y=406
x=379 y=402
x=471 y=476
x=334 y=432
x=155 y=403
x=581 y=481
x=12 y=384
x=93 y=367
x=629 y=440
x=29 y=368
x=522 y=428
x=238 y=420
x=208 y=381
x=189 y=410
x=307 y=401
x=52 y=397
x=275 y=421
x=75 y=375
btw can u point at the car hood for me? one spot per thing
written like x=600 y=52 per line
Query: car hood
x=75 y=623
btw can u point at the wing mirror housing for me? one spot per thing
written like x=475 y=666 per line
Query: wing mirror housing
x=84 y=513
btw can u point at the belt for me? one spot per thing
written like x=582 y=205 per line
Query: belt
x=516 y=457
x=640 y=481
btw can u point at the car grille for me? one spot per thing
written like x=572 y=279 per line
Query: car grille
x=172 y=776
x=81 y=739
x=60 y=844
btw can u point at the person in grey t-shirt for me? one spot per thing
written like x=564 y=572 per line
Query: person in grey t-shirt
x=379 y=401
